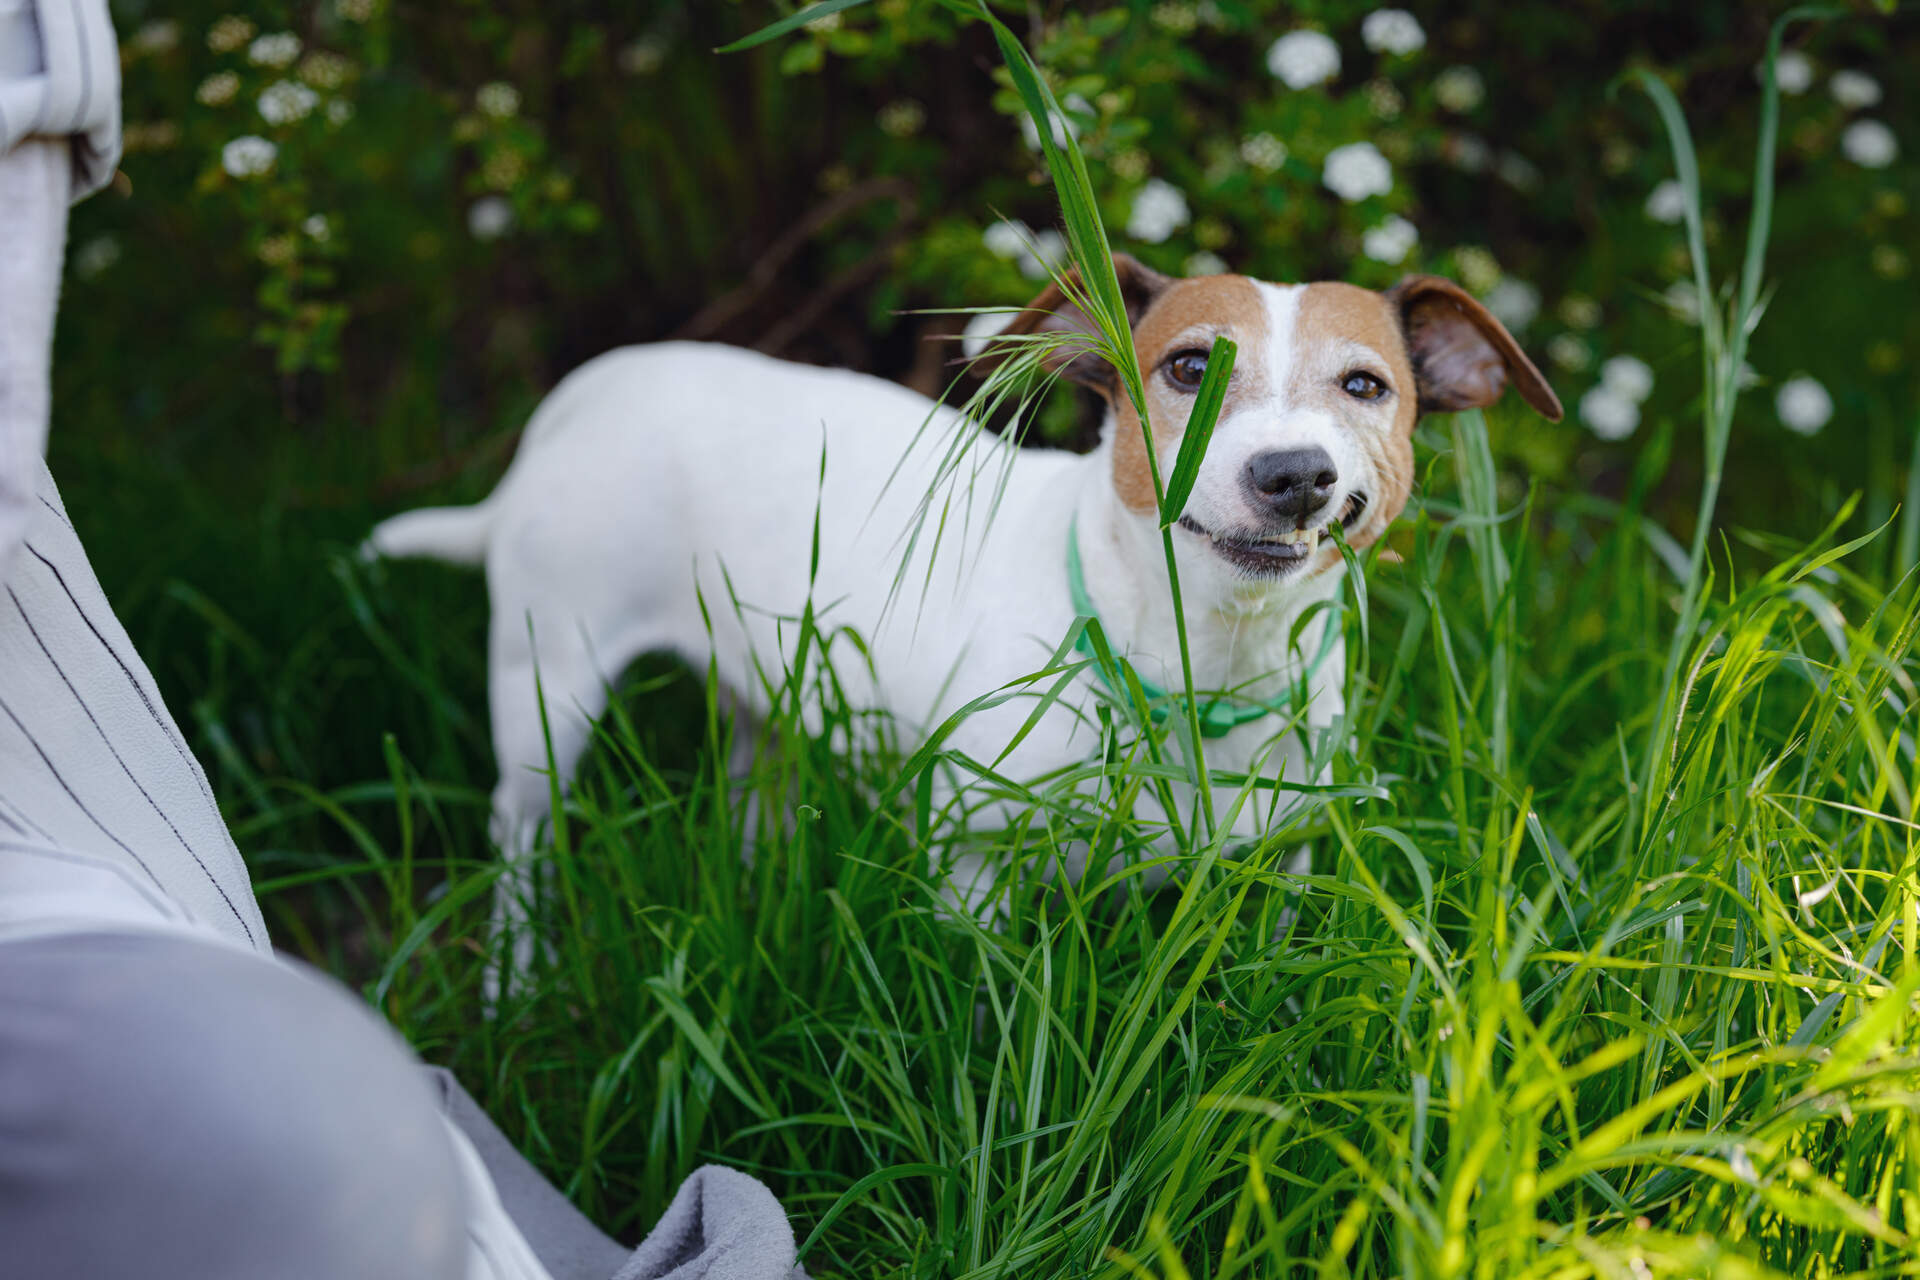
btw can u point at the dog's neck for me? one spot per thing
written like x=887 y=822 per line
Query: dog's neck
x=1239 y=636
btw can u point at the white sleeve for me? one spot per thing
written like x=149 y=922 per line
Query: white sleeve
x=60 y=78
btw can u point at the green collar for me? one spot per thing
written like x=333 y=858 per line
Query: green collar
x=1217 y=718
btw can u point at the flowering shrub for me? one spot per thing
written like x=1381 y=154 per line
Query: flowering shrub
x=424 y=216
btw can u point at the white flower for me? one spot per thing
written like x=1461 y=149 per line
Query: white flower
x=1393 y=31
x=1007 y=238
x=1391 y=241
x=1854 y=90
x=644 y=56
x=95 y=256
x=1803 y=405
x=318 y=228
x=1356 y=171
x=325 y=70
x=248 y=156
x=217 y=90
x=1384 y=100
x=229 y=33
x=1792 y=71
x=1514 y=303
x=1459 y=89
x=1177 y=18
x=276 y=50
x=1608 y=414
x=354 y=10
x=489 y=217
x=1301 y=59
x=1667 y=202
x=1206 y=263
x=1469 y=152
x=159 y=36
x=1049 y=250
x=1627 y=376
x=285 y=101
x=339 y=111
x=973 y=340
x=1159 y=209
x=1683 y=299
x=1477 y=268
x=1263 y=151
x=1518 y=172
x=497 y=99
x=1580 y=311
x=1036 y=253
x=1569 y=351
x=1870 y=144
x=1065 y=122
x=901 y=118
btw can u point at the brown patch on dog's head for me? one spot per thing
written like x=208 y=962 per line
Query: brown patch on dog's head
x=1169 y=316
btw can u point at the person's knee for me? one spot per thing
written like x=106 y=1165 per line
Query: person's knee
x=176 y=1108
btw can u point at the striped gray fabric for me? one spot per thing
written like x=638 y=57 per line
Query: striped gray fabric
x=90 y=762
x=60 y=78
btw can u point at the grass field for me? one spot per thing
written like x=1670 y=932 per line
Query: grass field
x=1588 y=968
x=1605 y=964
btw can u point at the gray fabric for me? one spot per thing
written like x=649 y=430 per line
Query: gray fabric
x=567 y=1244
x=722 y=1225
x=60 y=78
x=175 y=1108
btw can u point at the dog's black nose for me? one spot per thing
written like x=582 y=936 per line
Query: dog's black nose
x=1292 y=482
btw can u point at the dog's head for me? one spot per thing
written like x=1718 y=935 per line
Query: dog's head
x=1317 y=424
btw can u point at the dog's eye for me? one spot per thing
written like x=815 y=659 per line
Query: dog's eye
x=1363 y=386
x=1187 y=368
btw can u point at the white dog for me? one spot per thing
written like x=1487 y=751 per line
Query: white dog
x=657 y=477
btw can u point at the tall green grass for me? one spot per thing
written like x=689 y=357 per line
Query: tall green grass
x=1604 y=965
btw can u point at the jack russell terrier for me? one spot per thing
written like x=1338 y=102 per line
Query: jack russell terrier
x=656 y=478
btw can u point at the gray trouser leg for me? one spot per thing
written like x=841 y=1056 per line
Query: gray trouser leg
x=175 y=1109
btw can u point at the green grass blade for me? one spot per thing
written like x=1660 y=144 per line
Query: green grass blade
x=792 y=22
x=1199 y=429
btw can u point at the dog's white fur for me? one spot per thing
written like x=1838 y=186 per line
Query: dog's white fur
x=655 y=478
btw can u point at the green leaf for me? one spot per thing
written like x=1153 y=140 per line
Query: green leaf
x=1200 y=424
x=789 y=23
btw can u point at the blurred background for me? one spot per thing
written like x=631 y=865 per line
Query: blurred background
x=356 y=240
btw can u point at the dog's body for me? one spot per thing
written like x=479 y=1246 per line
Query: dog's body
x=658 y=480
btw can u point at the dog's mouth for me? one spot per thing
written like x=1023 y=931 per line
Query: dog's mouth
x=1278 y=551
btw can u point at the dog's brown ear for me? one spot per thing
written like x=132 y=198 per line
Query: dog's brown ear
x=1463 y=358
x=1054 y=312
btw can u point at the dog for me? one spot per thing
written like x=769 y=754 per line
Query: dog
x=656 y=483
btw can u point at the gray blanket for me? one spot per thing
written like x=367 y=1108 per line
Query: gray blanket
x=722 y=1224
